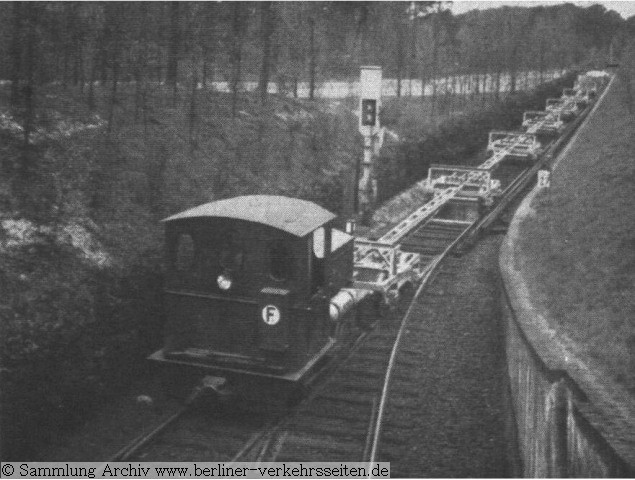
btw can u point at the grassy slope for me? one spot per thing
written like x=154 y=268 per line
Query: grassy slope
x=581 y=241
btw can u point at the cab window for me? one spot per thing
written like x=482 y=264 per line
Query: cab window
x=317 y=261
x=279 y=261
x=184 y=253
x=231 y=256
x=318 y=242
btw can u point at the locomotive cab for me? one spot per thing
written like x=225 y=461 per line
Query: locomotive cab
x=248 y=284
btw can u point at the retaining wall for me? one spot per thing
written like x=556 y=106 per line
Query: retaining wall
x=571 y=421
x=560 y=432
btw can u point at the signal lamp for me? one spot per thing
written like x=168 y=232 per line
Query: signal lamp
x=224 y=282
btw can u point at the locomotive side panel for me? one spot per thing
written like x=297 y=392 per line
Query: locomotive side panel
x=260 y=313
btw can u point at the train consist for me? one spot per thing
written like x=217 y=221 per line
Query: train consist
x=264 y=289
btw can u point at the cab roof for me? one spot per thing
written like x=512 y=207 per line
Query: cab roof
x=294 y=216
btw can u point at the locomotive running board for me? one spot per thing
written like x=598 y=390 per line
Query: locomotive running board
x=294 y=376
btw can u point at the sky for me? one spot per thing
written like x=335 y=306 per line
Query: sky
x=626 y=8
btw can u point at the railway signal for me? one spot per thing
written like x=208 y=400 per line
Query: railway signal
x=369 y=127
x=369 y=113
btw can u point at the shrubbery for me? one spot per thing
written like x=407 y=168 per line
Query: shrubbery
x=73 y=333
x=69 y=330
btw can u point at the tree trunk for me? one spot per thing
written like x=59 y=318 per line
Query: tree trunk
x=266 y=19
x=16 y=53
x=113 y=94
x=498 y=84
x=192 y=115
x=455 y=88
x=400 y=59
x=413 y=53
x=78 y=63
x=237 y=31
x=65 y=54
x=103 y=64
x=513 y=69
x=91 y=86
x=173 y=49
x=29 y=87
x=312 y=58
x=156 y=179
x=204 y=73
x=542 y=61
x=141 y=64
x=435 y=61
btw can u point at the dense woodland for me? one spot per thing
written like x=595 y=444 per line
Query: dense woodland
x=109 y=122
x=181 y=44
x=136 y=63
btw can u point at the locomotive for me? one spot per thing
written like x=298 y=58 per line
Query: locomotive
x=257 y=291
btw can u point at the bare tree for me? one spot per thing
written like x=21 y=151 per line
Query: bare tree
x=238 y=29
x=16 y=52
x=266 y=32
x=30 y=60
x=174 y=48
x=312 y=52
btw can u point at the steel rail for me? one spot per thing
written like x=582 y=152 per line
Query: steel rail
x=431 y=269
x=271 y=429
x=143 y=439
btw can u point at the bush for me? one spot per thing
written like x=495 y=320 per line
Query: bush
x=70 y=328
x=68 y=332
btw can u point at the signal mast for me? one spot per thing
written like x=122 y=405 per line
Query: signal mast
x=369 y=127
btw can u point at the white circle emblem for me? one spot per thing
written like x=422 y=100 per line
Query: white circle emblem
x=271 y=314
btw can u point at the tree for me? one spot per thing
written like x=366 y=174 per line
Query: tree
x=16 y=52
x=627 y=73
x=239 y=26
x=173 y=49
x=266 y=32
x=30 y=61
x=115 y=13
x=312 y=51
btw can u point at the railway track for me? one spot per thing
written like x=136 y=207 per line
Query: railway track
x=219 y=432
x=342 y=417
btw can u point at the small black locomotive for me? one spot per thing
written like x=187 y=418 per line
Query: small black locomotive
x=256 y=287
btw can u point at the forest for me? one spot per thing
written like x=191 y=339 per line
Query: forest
x=149 y=67
x=111 y=119
x=178 y=46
